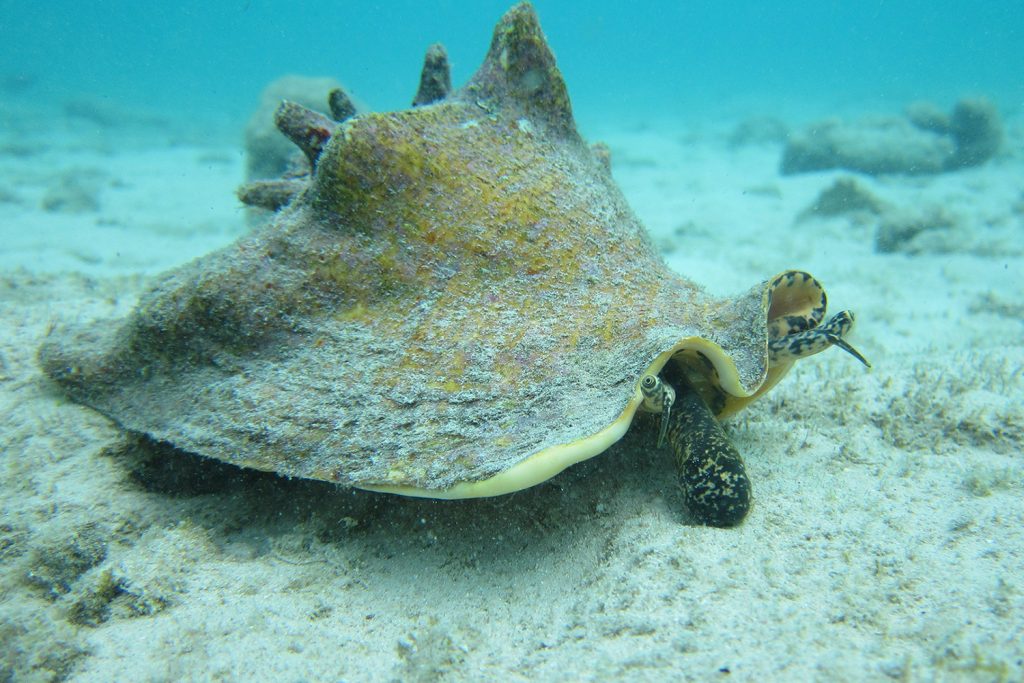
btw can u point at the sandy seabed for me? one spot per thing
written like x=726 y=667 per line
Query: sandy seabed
x=886 y=540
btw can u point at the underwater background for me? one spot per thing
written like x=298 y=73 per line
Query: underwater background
x=877 y=144
x=689 y=58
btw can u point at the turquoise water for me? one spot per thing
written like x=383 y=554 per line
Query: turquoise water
x=887 y=503
x=673 y=58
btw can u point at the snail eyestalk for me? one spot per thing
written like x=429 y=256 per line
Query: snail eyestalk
x=658 y=398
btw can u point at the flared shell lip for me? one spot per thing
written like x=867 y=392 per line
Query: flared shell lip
x=548 y=462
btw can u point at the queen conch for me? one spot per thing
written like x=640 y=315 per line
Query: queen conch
x=454 y=301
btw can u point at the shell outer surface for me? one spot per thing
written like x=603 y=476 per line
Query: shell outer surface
x=461 y=289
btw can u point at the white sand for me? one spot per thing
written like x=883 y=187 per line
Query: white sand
x=885 y=543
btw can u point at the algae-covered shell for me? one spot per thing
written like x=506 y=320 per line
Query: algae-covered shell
x=460 y=303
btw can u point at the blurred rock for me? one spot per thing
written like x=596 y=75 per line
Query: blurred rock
x=762 y=130
x=877 y=146
x=916 y=231
x=928 y=116
x=844 y=197
x=923 y=141
x=74 y=191
x=977 y=130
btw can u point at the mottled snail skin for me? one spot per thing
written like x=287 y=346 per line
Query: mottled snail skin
x=713 y=478
x=811 y=340
x=800 y=334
